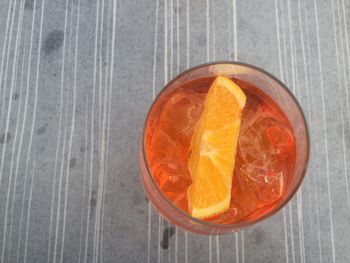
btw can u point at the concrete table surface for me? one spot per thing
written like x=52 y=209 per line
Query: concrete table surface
x=77 y=77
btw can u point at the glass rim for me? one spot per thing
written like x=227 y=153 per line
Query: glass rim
x=241 y=224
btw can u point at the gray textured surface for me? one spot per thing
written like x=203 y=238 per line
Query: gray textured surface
x=77 y=77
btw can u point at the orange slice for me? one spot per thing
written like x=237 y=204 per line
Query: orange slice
x=213 y=149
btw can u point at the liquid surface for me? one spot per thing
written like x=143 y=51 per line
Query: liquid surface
x=265 y=152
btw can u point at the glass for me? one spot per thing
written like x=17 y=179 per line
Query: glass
x=278 y=93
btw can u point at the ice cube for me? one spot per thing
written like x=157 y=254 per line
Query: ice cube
x=181 y=113
x=172 y=176
x=163 y=147
x=281 y=138
x=263 y=150
x=266 y=184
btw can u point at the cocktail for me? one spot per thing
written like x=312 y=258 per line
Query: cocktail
x=224 y=146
